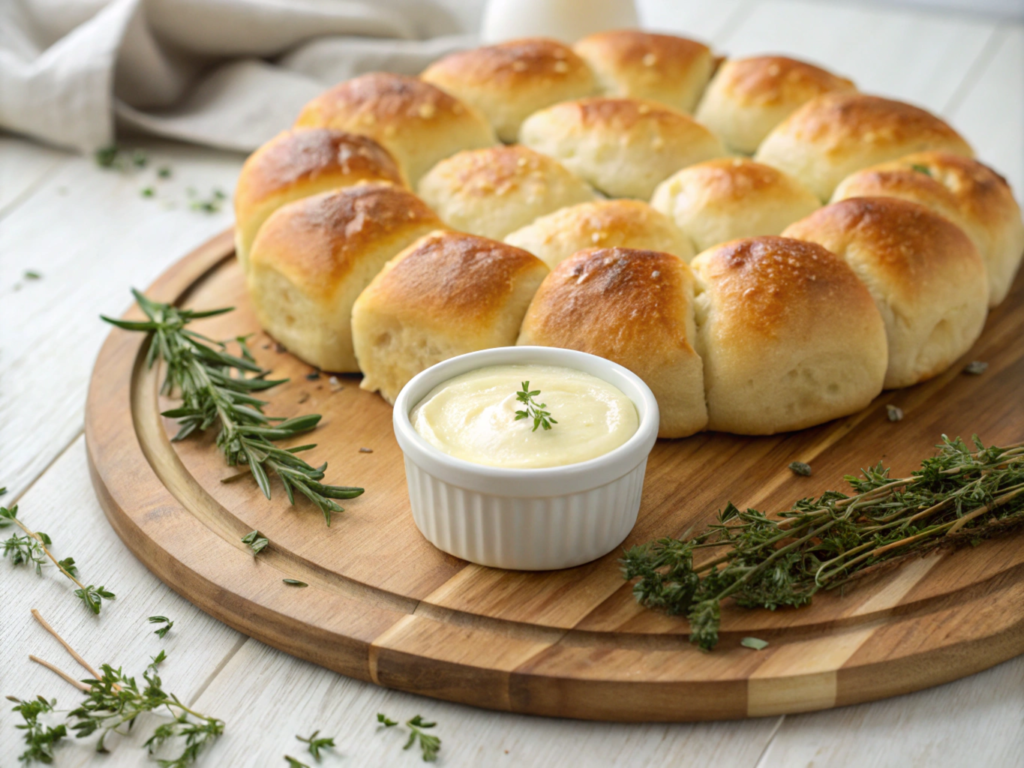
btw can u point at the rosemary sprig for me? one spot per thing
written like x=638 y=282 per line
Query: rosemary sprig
x=534 y=410
x=958 y=496
x=216 y=388
x=33 y=549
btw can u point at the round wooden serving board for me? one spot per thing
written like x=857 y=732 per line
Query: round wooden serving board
x=384 y=605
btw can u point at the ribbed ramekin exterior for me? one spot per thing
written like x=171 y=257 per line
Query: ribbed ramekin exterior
x=523 y=532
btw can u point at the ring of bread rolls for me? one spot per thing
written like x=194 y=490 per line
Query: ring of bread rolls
x=791 y=314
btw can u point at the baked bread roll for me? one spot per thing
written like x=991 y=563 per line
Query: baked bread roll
x=747 y=98
x=634 y=308
x=730 y=198
x=623 y=147
x=664 y=68
x=447 y=294
x=601 y=224
x=494 y=191
x=971 y=195
x=511 y=80
x=834 y=135
x=299 y=163
x=924 y=273
x=790 y=337
x=314 y=256
x=416 y=122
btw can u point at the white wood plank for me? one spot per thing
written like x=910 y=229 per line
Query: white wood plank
x=23 y=166
x=92 y=236
x=991 y=114
x=63 y=504
x=277 y=697
x=701 y=21
x=975 y=721
x=901 y=53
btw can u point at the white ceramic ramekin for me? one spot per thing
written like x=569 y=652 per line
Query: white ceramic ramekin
x=526 y=519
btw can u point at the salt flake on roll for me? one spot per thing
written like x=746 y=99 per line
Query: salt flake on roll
x=789 y=336
x=924 y=273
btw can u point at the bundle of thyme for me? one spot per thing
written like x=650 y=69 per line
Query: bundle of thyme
x=959 y=496
x=216 y=388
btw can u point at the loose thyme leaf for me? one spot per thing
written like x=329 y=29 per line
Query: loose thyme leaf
x=800 y=468
x=754 y=643
x=293 y=763
x=385 y=720
x=256 y=542
x=295 y=583
x=162 y=631
x=963 y=495
x=534 y=410
x=216 y=390
x=314 y=744
x=430 y=745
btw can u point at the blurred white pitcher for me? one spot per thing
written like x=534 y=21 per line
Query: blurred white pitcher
x=567 y=20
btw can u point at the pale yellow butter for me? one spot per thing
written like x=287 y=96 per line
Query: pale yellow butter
x=473 y=417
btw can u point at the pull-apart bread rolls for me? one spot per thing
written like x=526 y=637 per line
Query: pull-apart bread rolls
x=789 y=336
x=664 y=68
x=313 y=257
x=623 y=147
x=747 y=98
x=511 y=80
x=924 y=273
x=493 y=191
x=416 y=122
x=634 y=308
x=447 y=294
x=971 y=195
x=729 y=198
x=299 y=163
x=834 y=135
x=601 y=224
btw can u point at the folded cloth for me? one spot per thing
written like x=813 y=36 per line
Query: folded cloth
x=226 y=73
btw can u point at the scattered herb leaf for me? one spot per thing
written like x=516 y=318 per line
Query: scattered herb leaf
x=164 y=172
x=922 y=169
x=385 y=720
x=893 y=412
x=256 y=542
x=295 y=583
x=148 y=192
x=430 y=745
x=162 y=631
x=32 y=275
x=293 y=763
x=315 y=744
x=800 y=468
x=534 y=410
x=216 y=388
x=754 y=643
x=976 y=368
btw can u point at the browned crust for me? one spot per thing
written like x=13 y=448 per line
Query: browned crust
x=773 y=80
x=612 y=302
x=837 y=120
x=450 y=275
x=301 y=155
x=908 y=242
x=380 y=98
x=731 y=180
x=510 y=65
x=772 y=283
x=621 y=114
x=317 y=240
x=498 y=170
x=662 y=56
x=627 y=219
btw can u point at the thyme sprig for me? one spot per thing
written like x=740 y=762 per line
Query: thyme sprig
x=430 y=744
x=962 y=495
x=314 y=743
x=40 y=738
x=33 y=549
x=216 y=388
x=534 y=410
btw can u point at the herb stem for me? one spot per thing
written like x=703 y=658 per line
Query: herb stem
x=42 y=545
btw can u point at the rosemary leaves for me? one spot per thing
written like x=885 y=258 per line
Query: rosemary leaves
x=962 y=495
x=217 y=388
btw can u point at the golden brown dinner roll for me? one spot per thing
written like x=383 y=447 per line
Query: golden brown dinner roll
x=634 y=308
x=790 y=337
x=834 y=135
x=971 y=195
x=748 y=97
x=601 y=224
x=446 y=294
x=299 y=163
x=416 y=122
x=623 y=147
x=924 y=273
x=493 y=191
x=313 y=257
x=664 y=68
x=511 y=80
x=729 y=198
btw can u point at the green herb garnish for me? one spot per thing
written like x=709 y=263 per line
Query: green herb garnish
x=293 y=763
x=32 y=275
x=754 y=643
x=385 y=720
x=216 y=388
x=295 y=583
x=314 y=744
x=162 y=631
x=430 y=745
x=921 y=169
x=256 y=542
x=961 y=496
x=800 y=468
x=534 y=410
x=40 y=738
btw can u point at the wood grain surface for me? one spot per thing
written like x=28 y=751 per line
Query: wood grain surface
x=384 y=605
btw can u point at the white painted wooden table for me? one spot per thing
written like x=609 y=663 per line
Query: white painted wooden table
x=91 y=236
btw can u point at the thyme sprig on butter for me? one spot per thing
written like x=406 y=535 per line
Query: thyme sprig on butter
x=534 y=410
x=33 y=549
x=217 y=390
x=960 y=496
